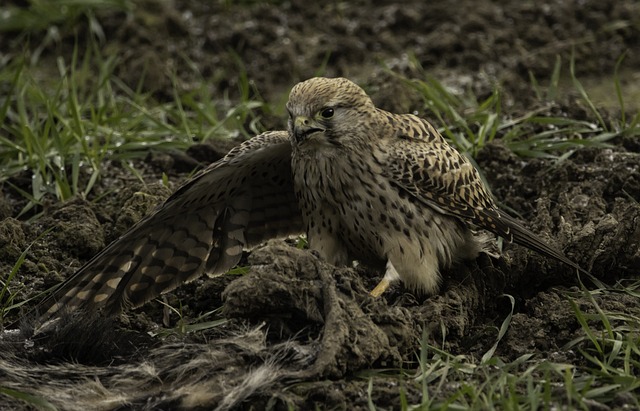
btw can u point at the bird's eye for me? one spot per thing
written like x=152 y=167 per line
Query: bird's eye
x=327 y=112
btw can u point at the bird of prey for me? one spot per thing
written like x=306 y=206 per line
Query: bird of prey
x=363 y=183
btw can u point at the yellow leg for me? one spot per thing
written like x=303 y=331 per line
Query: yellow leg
x=380 y=288
x=390 y=275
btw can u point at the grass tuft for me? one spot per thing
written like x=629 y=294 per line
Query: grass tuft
x=61 y=127
x=46 y=14
x=605 y=359
x=10 y=288
x=35 y=401
x=470 y=123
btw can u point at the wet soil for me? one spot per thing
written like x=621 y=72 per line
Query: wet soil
x=296 y=331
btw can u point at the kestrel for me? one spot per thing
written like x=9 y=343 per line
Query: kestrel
x=364 y=184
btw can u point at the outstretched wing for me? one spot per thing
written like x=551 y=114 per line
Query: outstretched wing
x=423 y=165
x=236 y=202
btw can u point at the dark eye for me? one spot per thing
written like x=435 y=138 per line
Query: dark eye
x=327 y=112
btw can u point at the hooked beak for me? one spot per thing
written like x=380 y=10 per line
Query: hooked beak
x=304 y=127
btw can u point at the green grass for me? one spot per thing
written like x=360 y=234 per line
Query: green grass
x=61 y=125
x=470 y=123
x=10 y=289
x=184 y=326
x=603 y=370
x=41 y=15
x=34 y=401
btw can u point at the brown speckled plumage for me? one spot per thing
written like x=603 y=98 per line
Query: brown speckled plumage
x=365 y=184
x=237 y=202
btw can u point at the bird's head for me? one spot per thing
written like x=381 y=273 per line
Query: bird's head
x=328 y=111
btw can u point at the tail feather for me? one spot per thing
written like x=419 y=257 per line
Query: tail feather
x=521 y=235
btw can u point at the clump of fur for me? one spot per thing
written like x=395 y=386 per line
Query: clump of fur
x=82 y=337
x=85 y=361
x=175 y=375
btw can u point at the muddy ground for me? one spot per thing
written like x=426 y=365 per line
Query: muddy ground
x=298 y=332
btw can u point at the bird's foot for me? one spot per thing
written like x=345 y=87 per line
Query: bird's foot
x=390 y=275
